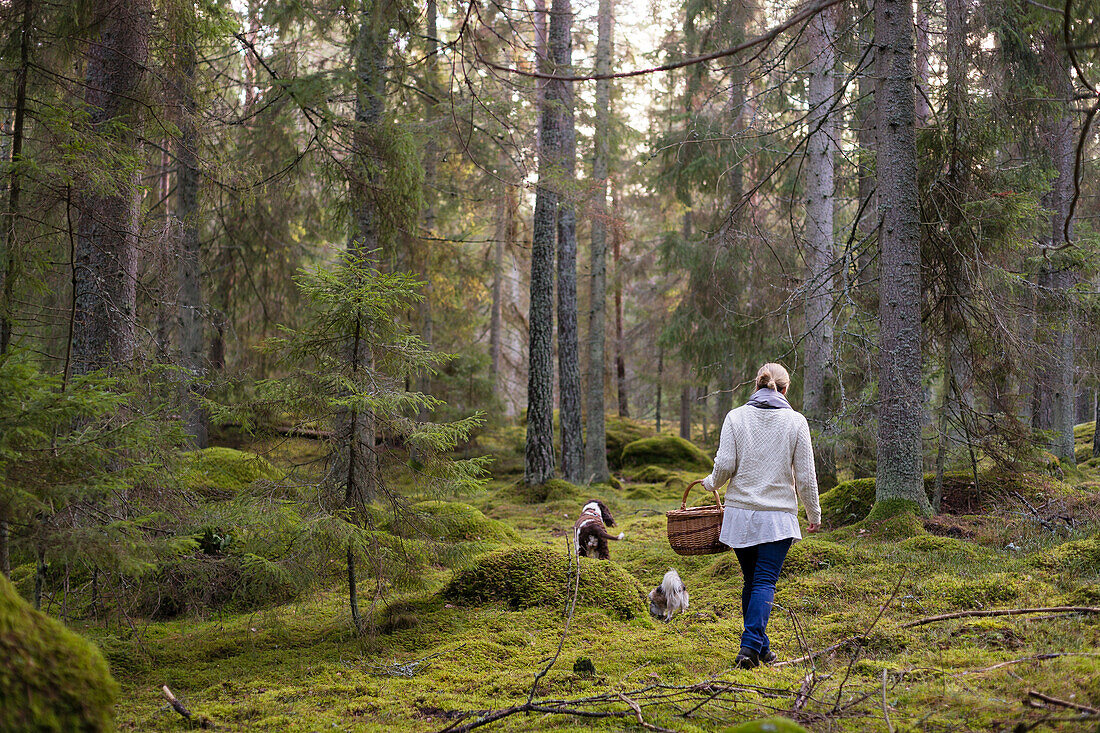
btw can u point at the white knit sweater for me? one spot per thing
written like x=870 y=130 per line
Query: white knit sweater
x=767 y=458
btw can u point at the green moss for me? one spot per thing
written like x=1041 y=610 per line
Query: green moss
x=620 y=432
x=767 y=725
x=894 y=519
x=641 y=493
x=553 y=490
x=847 y=502
x=669 y=451
x=809 y=556
x=1078 y=556
x=449 y=521
x=527 y=576
x=945 y=547
x=220 y=473
x=951 y=591
x=51 y=679
x=652 y=475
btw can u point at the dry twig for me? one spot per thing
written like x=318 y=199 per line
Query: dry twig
x=1064 y=703
x=999 y=612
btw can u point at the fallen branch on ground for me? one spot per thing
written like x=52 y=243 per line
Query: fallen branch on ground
x=999 y=612
x=203 y=721
x=1064 y=703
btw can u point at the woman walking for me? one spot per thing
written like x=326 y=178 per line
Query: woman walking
x=765 y=454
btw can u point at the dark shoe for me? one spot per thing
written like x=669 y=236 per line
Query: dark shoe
x=746 y=659
x=767 y=656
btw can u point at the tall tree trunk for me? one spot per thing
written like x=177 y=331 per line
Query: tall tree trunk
x=595 y=458
x=1060 y=275
x=821 y=252
x=190 y=274
x=866 y=137
x=539 y=451
x=107 y=227
x=660 y=383
x=431 y=154
x=620 y=346
x=569 y=375
x=9 y=227
x=363 y=479
x=685 y=405
x=901 y=397
x=923 y=109
x=496 y=316
x=1096 y=425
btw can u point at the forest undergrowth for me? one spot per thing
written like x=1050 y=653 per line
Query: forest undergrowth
x=879 y=623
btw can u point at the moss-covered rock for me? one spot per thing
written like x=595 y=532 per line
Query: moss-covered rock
x=553 y=490
x=618 y=433
x=767 y=725
x=847 y=502
x=669 y=451
x=1077 y=556
x=221 y=473
x=51 y=679
x=809 y=556
x=527 y=576
x=894 y=519
x=642 y=493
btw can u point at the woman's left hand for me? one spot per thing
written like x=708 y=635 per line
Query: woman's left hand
x=811 y=528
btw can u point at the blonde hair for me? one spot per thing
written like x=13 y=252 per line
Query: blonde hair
x=773 y=376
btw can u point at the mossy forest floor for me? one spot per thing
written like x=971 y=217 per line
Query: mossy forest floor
x=434 y=659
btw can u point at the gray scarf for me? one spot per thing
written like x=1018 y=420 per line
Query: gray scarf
x=769 y=399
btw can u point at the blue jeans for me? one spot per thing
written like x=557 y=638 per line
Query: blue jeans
x=760 y=564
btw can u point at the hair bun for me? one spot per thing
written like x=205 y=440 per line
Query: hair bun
x=765 y=380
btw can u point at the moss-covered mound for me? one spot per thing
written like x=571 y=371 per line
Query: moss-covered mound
x=847 y=502
x=943 y=547
x=1078 y=556
x=51 y=679
x=221 y=473
x=893 y=519
x=651 y=475
x=553 y=490
x=620 y=432
x=768 y=725
x=809 y=556
x=670 y=451
x=527 y=576
x=450 y=521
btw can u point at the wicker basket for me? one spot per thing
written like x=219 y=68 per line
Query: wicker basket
x=695 y=530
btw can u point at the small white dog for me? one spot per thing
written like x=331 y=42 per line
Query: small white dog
x=669 y=598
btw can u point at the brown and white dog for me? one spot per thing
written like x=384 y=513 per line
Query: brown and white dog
x=669 y=598
x=590 y=530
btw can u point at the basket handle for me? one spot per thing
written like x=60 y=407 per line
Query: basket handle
x=683 y=502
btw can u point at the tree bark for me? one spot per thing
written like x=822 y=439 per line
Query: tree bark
x=539 y=451
x=190 y=274
x=901 y=397
x=866 y=136
x=660 y=384
x=569 y=376
x=1061 y=276
x=685 y=408
x=923 y=109
x=1096 y=425
x=821 y=252
x=107 y=226
x=9 y=230
x=620 y=347
x=595 y=458
x=363 y=478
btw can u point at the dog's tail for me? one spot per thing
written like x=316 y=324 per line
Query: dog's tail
x=605 y=535
x=672 y=582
